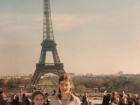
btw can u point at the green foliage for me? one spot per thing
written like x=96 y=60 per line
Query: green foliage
x=129 y=83
x=1 y=82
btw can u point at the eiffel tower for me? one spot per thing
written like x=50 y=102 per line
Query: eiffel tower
x=48 y=45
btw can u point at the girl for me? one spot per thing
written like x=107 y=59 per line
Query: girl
x=65 y=95
x=38 y=98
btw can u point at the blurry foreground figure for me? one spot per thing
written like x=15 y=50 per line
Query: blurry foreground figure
x=65 y=95
x=38 y=98
x=2 y=100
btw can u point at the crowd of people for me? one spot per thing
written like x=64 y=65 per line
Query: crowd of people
x=65 y=96
x=116 y=98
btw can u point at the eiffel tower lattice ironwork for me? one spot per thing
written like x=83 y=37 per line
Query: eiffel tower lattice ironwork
x=48 y=45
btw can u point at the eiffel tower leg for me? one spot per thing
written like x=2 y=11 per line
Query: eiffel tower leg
x=42 y=57
x=36 y=78
x=55 y=56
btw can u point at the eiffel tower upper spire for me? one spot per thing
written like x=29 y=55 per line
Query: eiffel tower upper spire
x=47 y=22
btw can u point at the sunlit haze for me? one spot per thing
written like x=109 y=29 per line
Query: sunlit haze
x=92 y=36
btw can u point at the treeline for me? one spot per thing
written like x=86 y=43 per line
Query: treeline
x=91 y=83
x=13 y=83
x=127 y=83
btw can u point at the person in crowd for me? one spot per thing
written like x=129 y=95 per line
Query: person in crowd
x=15 y=100
x=47 y=101
x=135 y=100
x=129 y=99
x=114 y=98
x=38 y=98
x=2 y=101
x=85 y=99
x=124 y=99
x=65 y=95
x=25 y=99
x=106 y=98
x=54 y=92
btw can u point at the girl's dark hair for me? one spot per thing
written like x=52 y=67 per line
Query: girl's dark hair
x=65 y=77
x=37 y=93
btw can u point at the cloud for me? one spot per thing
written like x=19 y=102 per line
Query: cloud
x=109 y=38
x=67 y=22
x=61 y=22
x=18 y=27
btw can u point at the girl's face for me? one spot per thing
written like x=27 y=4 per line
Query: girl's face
x=64 y=87
x=38 y=100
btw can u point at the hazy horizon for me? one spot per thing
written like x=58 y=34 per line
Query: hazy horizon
x=92 y=36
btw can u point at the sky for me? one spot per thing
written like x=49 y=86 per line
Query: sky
x=92 y=36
